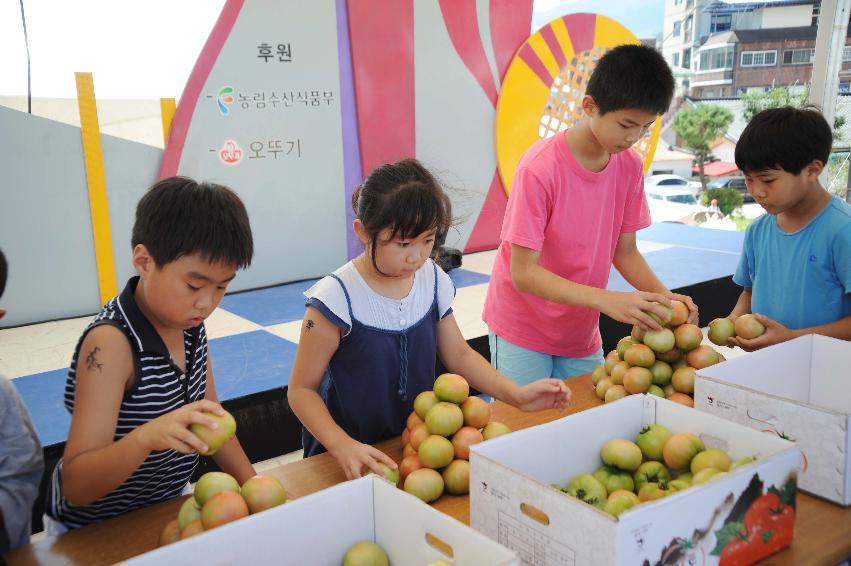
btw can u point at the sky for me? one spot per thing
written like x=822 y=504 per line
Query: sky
x=146 y=50
x=644 y=18
x=134 y=49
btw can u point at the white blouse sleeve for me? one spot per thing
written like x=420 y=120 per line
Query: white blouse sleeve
x=328 y=297
x=445 y=293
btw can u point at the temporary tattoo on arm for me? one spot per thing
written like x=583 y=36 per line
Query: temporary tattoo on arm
x=92 y=360
x=308 y=325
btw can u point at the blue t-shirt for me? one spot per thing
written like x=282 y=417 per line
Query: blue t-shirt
x=800 y=279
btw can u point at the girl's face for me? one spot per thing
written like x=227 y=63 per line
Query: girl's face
x=399 y=257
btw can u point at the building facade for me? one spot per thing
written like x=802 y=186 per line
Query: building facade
x=725 y=48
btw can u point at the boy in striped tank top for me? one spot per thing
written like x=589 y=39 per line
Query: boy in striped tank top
x=141 y=373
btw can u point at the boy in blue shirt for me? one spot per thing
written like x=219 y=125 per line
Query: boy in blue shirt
x=796 y=262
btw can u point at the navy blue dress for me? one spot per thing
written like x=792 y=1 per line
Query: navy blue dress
x=375 y=374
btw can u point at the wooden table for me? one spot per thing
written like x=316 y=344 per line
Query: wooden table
x=822 y=534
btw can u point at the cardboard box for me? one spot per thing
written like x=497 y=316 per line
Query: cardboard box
x=511 y=501
x=318 y=529
x=800 y=390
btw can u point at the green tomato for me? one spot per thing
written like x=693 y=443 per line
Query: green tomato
x=622 y=454
x=704 y=476
x=589 y=489
x=651 y=439
x=653 y=491
x=614 y=479
x=650 y=472
x=618 y=505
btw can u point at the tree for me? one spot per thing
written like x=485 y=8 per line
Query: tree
x=755 y=101
x=699 y=126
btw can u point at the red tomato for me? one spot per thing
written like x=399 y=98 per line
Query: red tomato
x=769 y=516
x=760 y=509
x=740 y=550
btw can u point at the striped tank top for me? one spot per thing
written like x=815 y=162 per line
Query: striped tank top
x=160 y=387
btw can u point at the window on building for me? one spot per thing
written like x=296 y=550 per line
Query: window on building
x=716 y=58
x=675 y=60
x=846 y=54
x=677 y=26
x=689 y=21
x=816 y=12
x=766 y=58
x=687 y=58
x=720 y=22
x=799 y=56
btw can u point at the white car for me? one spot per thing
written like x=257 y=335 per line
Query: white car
x=672 y=205
x=667 y=181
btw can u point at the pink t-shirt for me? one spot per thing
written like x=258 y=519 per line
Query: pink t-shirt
x=574 y=218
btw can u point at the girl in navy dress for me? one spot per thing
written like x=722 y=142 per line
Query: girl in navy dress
x=373 y=328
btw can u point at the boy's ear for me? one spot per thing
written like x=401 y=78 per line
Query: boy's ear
x=142 y=260
x=360 y=231
x=814 y=168
x=589 y=105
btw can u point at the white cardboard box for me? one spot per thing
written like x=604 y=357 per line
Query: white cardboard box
x=511 y=473
x=800 y=390
x=318 y=528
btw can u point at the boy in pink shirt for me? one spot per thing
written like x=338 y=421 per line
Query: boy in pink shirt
x=576 y=203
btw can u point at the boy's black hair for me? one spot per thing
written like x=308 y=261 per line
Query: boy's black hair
x=632 y=77
x=4 y=272
x=405 y=198
x=179 y=216
x=784 y=138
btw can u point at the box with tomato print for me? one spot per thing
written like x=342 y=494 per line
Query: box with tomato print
x=798 y=390
x=317 y=529
x=736 y=517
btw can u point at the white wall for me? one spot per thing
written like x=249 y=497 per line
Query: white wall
x=681 y=167
x=136 y=120
x=787 y=17
x=45 y=221
x=725 y=151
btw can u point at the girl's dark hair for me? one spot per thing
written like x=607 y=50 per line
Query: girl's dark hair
x=179 y=216
x=405 y=198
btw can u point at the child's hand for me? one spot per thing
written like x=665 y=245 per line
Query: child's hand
x=774 y=334
x=632 y=307
x=543 y=394
x=690 y=305
x=353 y=456
x=171 y=431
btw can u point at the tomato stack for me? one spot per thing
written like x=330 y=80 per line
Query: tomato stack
x=217 y=499
x=658 y=362
x=445 y=423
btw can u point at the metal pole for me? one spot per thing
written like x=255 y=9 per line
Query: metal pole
x=830 y=41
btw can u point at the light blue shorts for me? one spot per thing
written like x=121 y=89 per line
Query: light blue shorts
x=525 y=366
